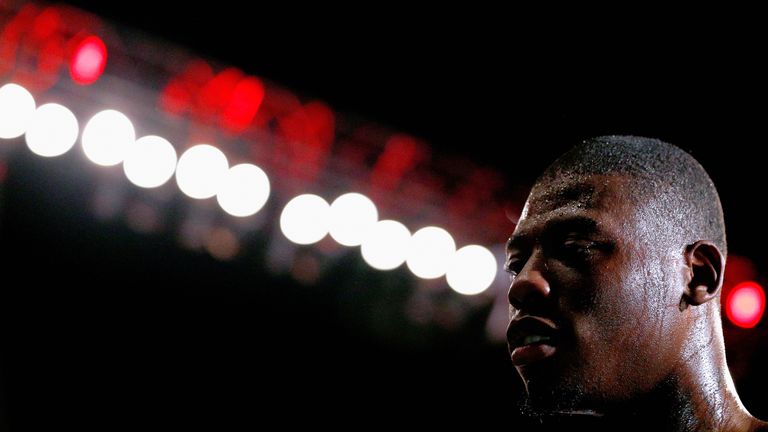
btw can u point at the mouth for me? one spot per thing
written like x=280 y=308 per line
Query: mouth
x=531 y=339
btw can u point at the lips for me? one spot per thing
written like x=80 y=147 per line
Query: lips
x=531 y=339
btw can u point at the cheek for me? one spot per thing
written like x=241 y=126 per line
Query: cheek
x=629 y=307
x=624 y=337
x=609 y=292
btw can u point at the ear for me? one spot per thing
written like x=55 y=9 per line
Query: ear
x=705 y=265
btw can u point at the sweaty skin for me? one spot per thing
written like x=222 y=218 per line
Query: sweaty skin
x=613 y=316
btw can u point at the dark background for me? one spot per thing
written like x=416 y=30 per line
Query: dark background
x=114 y=327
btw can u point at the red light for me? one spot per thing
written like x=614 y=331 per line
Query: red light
x=46 y=24
x=88 y=61
x=321 y=124
x=745 y=304
x=176 y=97
x=308 y=134
x=401 y=154
x=243 y=104
x=11 y=37
x=216 y=94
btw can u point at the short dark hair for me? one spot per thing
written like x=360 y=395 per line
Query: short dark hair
x=663 y=174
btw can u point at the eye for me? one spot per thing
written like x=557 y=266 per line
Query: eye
x=513 y=267
x=578 y=246
x=578 y=250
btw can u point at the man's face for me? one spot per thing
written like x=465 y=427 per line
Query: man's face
x=594 y=294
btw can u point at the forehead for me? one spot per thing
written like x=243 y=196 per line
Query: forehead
x=607 y=199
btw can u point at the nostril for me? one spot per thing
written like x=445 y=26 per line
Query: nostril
x=513 y=301
x=530 y=289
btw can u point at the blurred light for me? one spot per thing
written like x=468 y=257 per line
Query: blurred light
x=88 y=61
x=50 y=57
x=107 y=136
x=745 y=304
x=175 y=97
x=214 y=96
x=320 y=124
x=47 y=23
x=150 y=161
x=194 y=233
x=401 y=154
x=222 y=244
x=200 y=171
x=305 y=267
x=385 y=246
x=305 y=219
x=308 y=133
x=17 y=106
x=52 y=131
x=244 y=190
x=352 y=215
x=15 y=26
x=472 y=270
x=429 y=252
x=142 y=217
x=182 y=92
x=243 y=104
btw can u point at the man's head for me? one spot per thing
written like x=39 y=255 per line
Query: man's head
x=618 y=237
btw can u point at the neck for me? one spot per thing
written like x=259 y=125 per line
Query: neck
x=699 y=392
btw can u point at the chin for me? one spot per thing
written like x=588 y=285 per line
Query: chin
x=549 y=393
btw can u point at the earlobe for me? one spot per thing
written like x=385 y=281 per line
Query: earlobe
x=705 y=264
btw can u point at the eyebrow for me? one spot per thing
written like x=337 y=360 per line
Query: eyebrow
x=580 y=224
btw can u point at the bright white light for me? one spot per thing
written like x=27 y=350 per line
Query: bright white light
x=385 y=246
x=16 y=109
x=107 y=136
x=472 y=270
x=52 y=131
x=305 y=219
x=200 y=171
x=150 y=161
x=429 y=252
x=244 y=190
x=352 y=215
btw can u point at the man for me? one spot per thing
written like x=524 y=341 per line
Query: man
x=617 y=264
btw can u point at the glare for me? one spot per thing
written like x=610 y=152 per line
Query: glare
x=429 y=252
x=352 y=215
x=200 y=171
x=244 y=190
x=107 y=136
x=88 y=61
x=385 y=246
x=745 y=304
x=17 y=106
x=52 y=131
x=472 y=270
x=305 y=219
x=150 y=161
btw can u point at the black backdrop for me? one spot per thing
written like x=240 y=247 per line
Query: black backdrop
x=113 y=326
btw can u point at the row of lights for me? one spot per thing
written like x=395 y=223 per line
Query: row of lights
x=203 y=171
x=352 y=220
x=109 y=139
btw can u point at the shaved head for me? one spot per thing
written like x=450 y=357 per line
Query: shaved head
x=669 y=182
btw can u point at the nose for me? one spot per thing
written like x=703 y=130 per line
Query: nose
x=530 y=286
